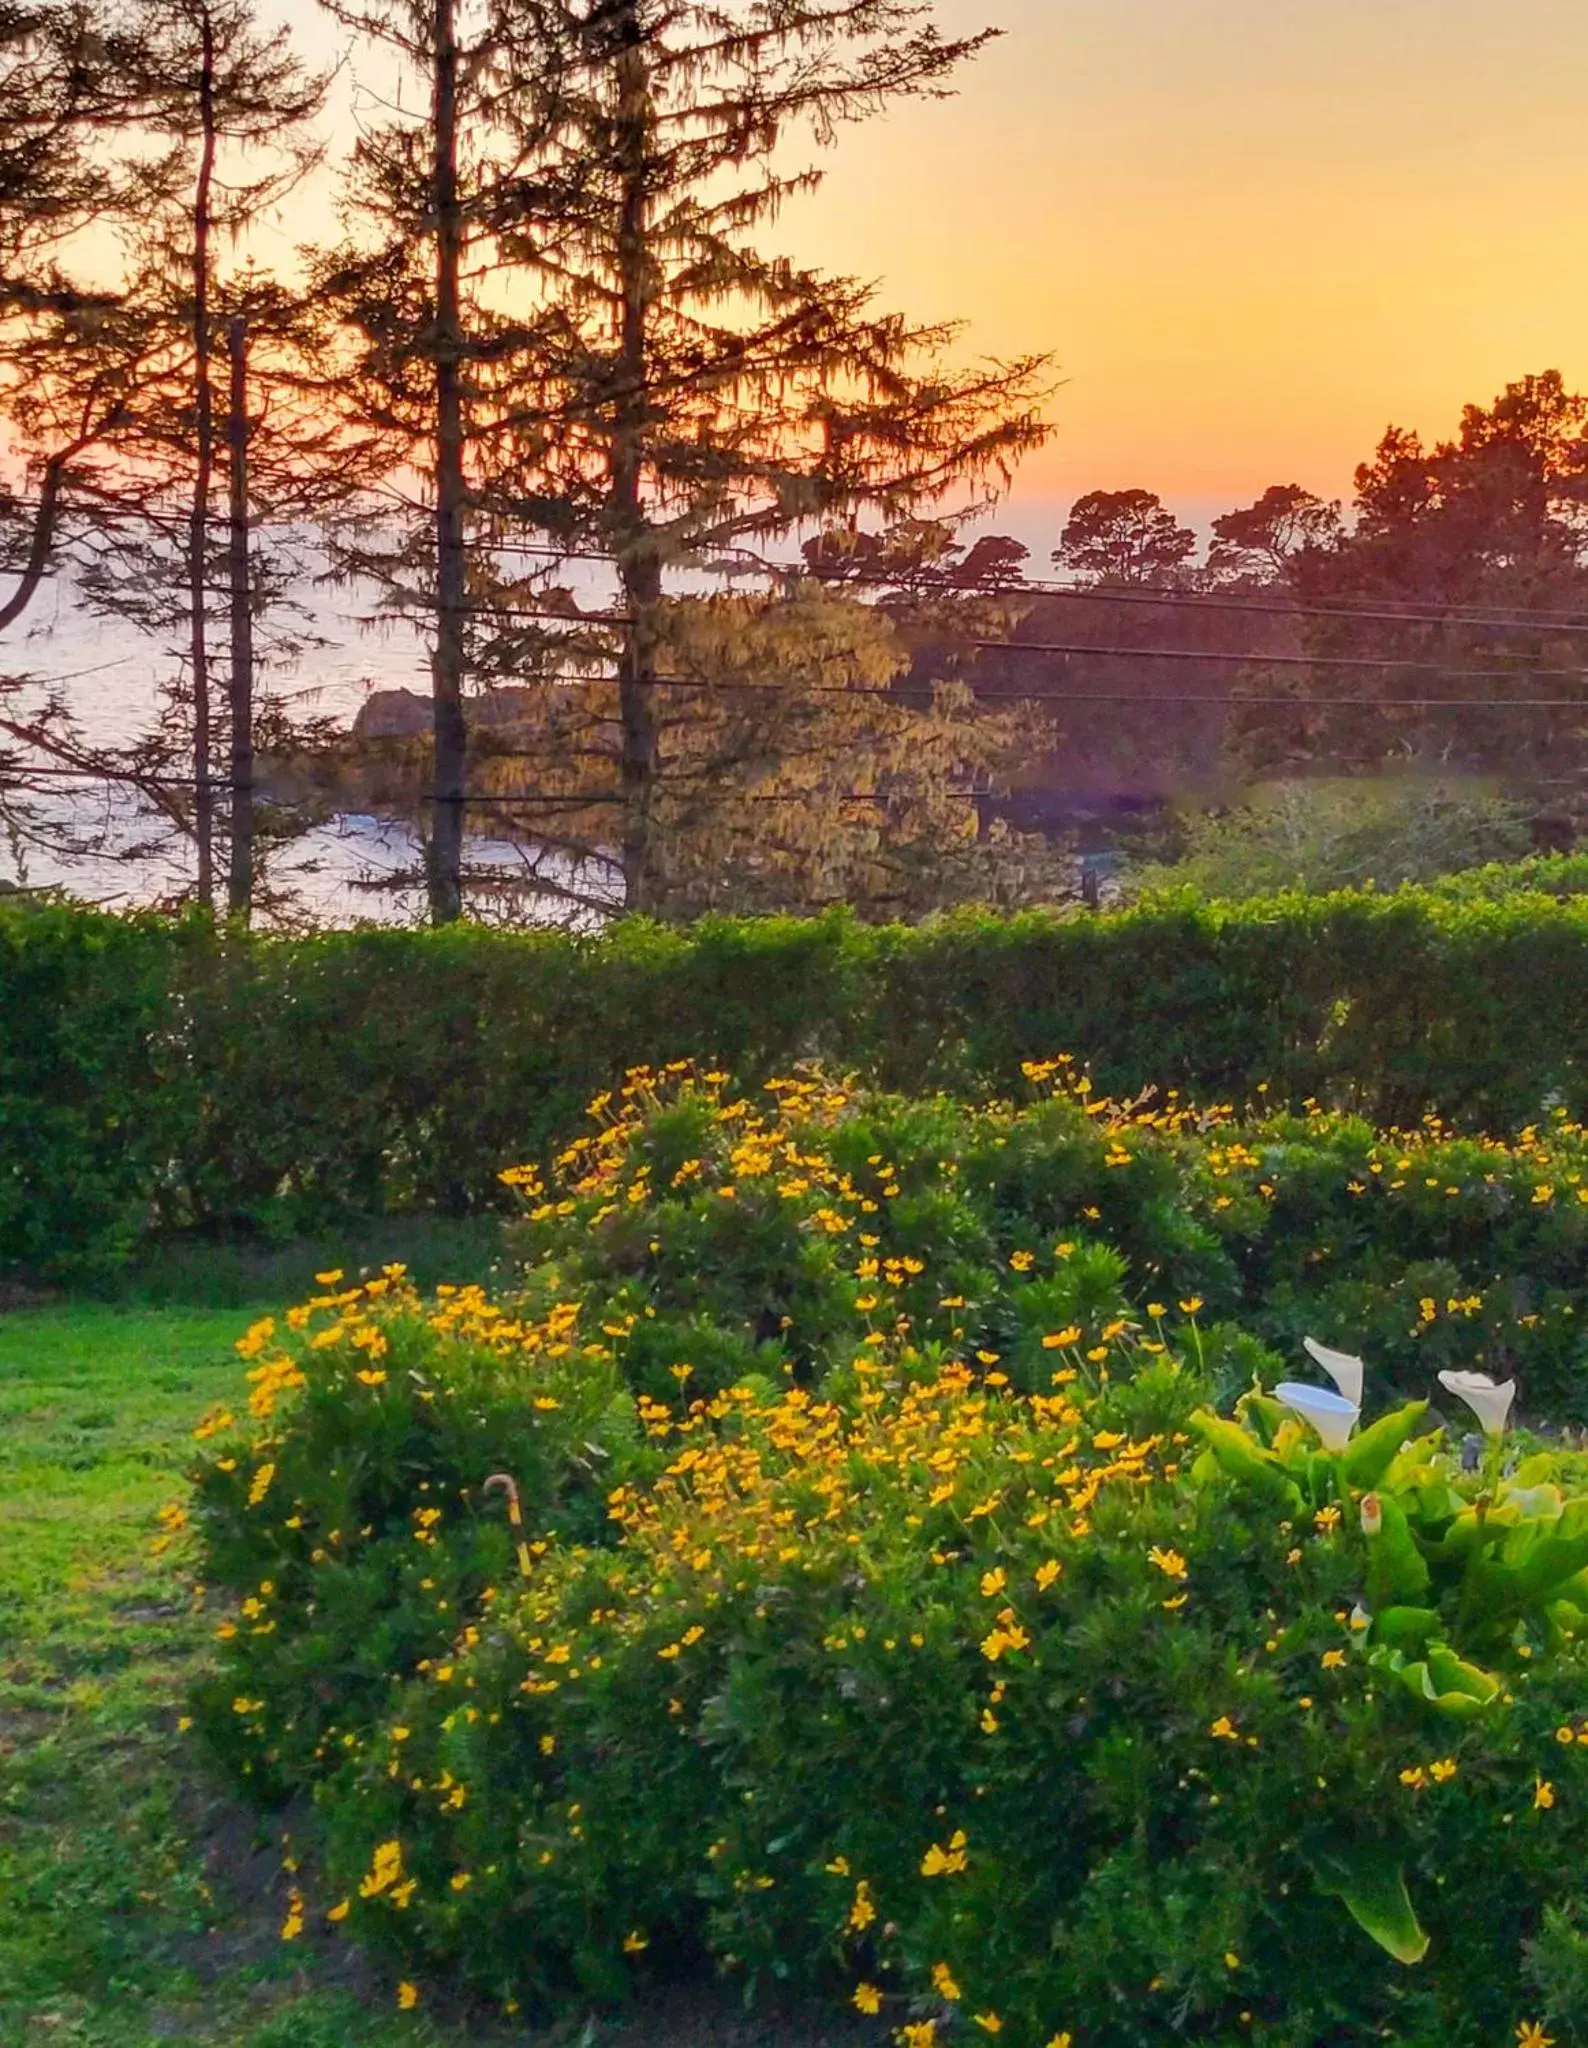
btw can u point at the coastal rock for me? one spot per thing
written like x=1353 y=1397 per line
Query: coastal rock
x=392 y=715
x=406 y=714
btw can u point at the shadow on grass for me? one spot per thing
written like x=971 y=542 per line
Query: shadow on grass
x=247 y=1273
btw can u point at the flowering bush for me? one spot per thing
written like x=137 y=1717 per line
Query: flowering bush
x=901 y=1605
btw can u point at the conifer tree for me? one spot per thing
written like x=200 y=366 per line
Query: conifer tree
x=697 y=397
x=569 y=327
x=225 y=113
x=63 y=104
x=426 y=361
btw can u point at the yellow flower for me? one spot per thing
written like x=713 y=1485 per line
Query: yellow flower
x=1543 y=1794
x=1443 y=1770
x=989 y=2022
x=1046 y=1573
x=919 y=2034
x=943 y=1862
x=1156 y=1309
x=1059 y=1340
x=1169 y=1562
x=943 y=1983
x=340 y=1910
x=864 y=1910
x=1189 y=1308
x=1333 y=1659
x=634 y=1942
x=1224 y=1729
x=407 y=1996
x=867 y=1998
x=1529 y=2034
x=1231 y=1960
x=1060 y=2041
x=993 y=1582
x=385 y=1869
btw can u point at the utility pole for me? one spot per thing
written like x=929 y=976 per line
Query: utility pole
x=204 y=445
x=240 y=875
x=448 y=662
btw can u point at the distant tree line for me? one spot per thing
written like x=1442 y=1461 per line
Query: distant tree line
x=1439 y=619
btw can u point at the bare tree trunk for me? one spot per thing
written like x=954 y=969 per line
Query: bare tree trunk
x=449 y=659
x=639 y=566
x=204 y=444
x=240 y=874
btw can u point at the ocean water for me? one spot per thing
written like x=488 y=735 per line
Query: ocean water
x=103 y=843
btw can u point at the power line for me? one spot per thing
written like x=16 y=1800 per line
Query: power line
x=1250 y=660
x=491 y=800
x=1370 y=610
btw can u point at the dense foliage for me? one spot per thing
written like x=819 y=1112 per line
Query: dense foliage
x=1321 y=833
x=912 y=1592
x=403 y=1070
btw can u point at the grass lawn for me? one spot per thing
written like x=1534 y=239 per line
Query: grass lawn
x=139 y=1904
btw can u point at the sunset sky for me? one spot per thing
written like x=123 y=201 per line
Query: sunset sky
x=1253 y=232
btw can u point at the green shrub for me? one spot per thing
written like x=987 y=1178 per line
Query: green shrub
x=902 y=1608
x=1322 y=833
x=158 y=1078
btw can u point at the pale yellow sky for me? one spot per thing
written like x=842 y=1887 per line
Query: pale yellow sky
x=1252 y=232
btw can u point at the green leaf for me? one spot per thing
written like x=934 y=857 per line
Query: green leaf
x=1242 y=1458
x=1371 y=1885
x=1451 y=1686
x=1396 y=1570
x=1369 y=1456
x=1406 y=1628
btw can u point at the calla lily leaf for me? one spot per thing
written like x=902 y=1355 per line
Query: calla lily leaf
x=1406 y=1628
x=1262 y=1414
x=1371 y=1454
x=1371 y=1885
x=1453 y=1674
x=1397 y=1572
x=1536 y=1503
x=1242 y=1458
x=1443 y=1681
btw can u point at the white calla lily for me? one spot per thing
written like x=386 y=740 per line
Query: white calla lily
x=1331 y=1415
x=1342 y=1368
x=1491 y=1403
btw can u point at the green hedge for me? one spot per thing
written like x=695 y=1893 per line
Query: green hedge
x=160 y=1075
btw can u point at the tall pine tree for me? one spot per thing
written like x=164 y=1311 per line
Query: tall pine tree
x=571 y=329
x=700 y=398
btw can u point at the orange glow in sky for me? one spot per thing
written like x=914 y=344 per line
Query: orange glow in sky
x=1253 y=232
